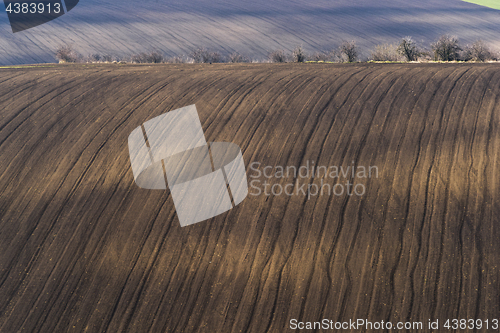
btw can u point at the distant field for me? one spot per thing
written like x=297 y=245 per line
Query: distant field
x=253 y=28
x=83 y=249
x=495 y=4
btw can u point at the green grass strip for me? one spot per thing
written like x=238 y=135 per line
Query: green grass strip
x=495 y=4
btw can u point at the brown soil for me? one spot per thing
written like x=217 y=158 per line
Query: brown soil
x=82 y=248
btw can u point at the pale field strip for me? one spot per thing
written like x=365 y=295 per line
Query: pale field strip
x=252 y=28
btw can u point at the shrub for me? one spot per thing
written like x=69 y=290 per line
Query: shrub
x=349 y=51
x=203 y=56
x=446 y=48
x=385 y=52
x=138 y=58
x=298 y=54
x=65 y=53
x=479 y=51
x=94 y=58
x=277 y=56
x=200 y=55
x=216 y=57
x=236 y=57
x=106 y=58
x=154 y=57
x=176 y=60
x=408 y=49
x=322 y=56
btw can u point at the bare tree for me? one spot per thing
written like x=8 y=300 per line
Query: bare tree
x=107 y=58
x=94 y=58
x=322 y=56
x=385 y=52
x=155 y=57
x=349 y=50
x=97 y=58
x=176 y=60
x=65 y=53
x=298 y=54
x=139 y=58
x=216 y=57
x=202 y=55
x=236 y=57
x=277 y=56
x=408 y=49
x=446 y=48
x=479 y=51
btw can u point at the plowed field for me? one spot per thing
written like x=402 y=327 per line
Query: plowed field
x=82 y=248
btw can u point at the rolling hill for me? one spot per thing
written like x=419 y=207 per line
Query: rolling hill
x=83 y=249
x=253 y=28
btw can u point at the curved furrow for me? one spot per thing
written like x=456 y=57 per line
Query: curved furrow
x=89 y=165
x=408 y=299
x=394 y=99
x=85 y=249
x=420 y=145
x=465 y=226
x=439 y=260
x=292 y=81
x=347 y=259
x=304 y=86
x=424 y=142
x=272 y=118
x=298 y=156
x=364 y=141
x=427 y=109
x=84 y=149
